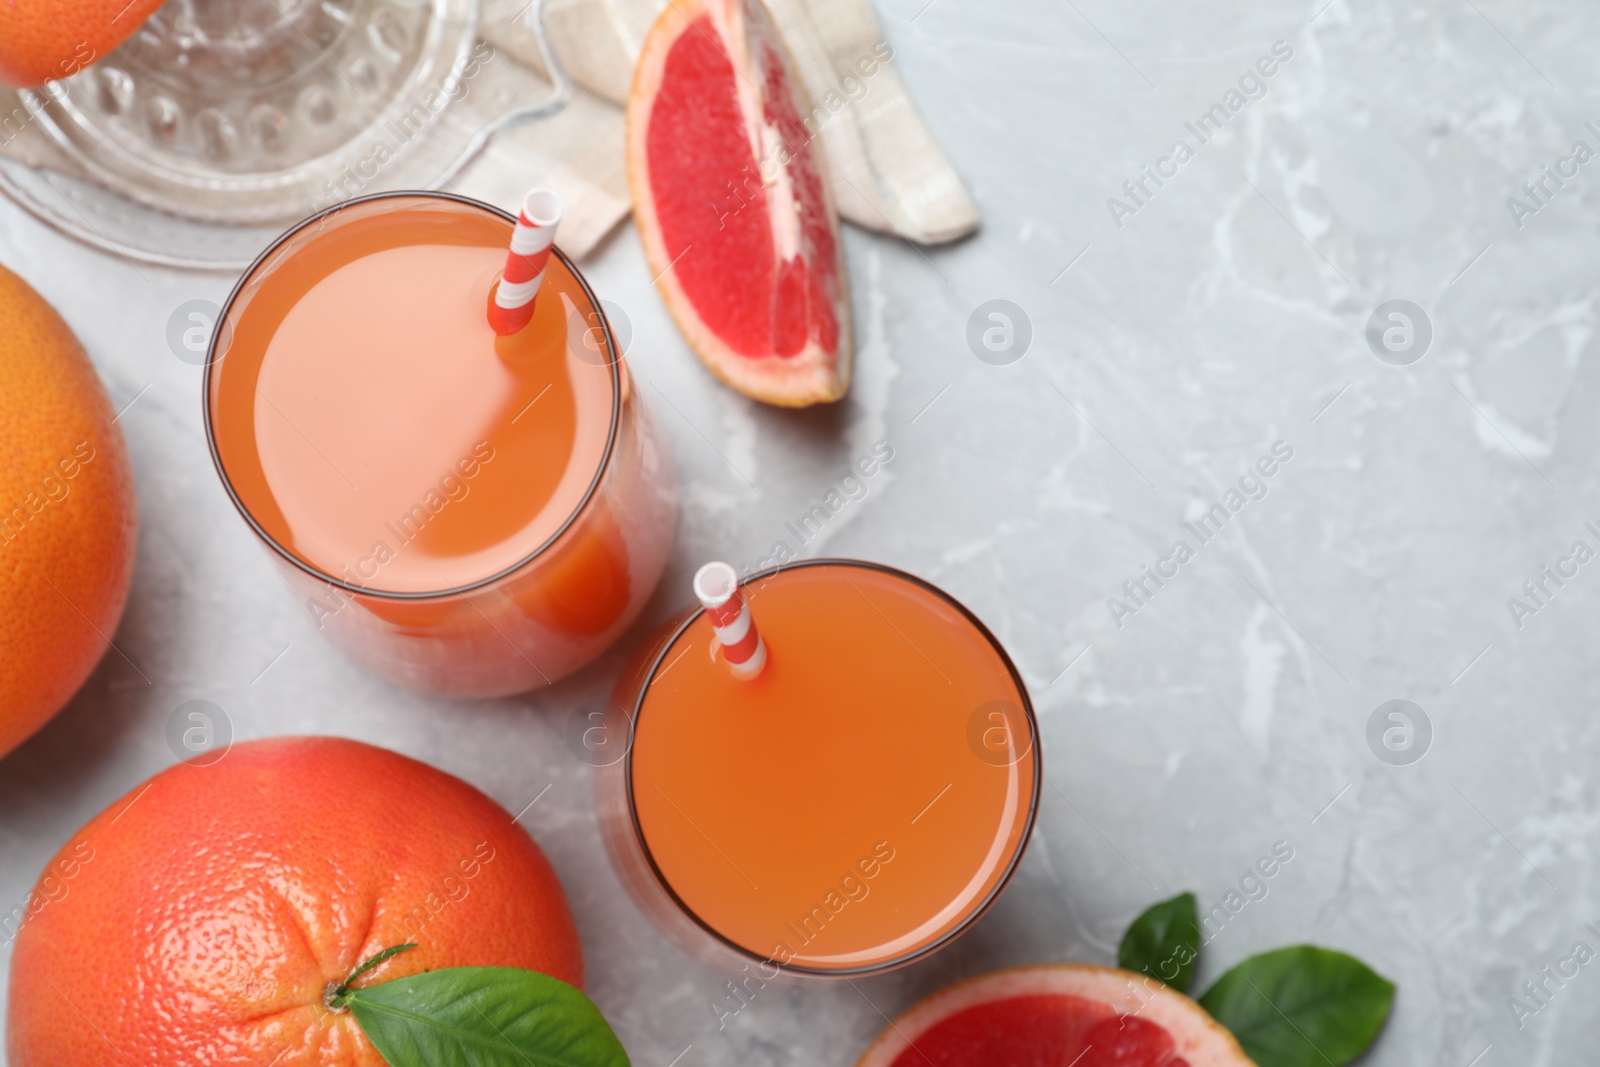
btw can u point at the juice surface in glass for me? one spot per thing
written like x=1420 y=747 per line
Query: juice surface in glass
x=858 y=803
x=483 y=493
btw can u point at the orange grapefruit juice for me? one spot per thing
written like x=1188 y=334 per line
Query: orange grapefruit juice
x=858 y=803
x=478 y=512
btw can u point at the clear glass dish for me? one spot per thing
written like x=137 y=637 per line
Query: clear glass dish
x=222 y=121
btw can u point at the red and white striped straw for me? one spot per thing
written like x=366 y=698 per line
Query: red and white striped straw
x=717 y=586
x=514 y=297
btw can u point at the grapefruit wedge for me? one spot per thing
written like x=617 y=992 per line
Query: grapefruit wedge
x=737 y=222
x=1056 y=1016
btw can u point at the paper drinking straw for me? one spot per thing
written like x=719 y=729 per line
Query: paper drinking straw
x=512 y=309
x=717 y=586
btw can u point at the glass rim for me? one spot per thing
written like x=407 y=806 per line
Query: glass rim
x=967 y=921
x=212 y=358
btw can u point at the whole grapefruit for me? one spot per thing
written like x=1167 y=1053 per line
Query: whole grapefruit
x=1053 y=1016
x=45 y=39
x=202 y=918
x=67 y=513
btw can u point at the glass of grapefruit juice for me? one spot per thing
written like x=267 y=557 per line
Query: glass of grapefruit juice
x=853 y=807
x=466 y=514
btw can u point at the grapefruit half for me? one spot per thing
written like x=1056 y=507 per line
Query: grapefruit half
x=738 y=225
x=1053 y=1016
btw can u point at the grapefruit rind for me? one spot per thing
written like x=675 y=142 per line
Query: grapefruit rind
x=1199 y=1039
x=811 y=376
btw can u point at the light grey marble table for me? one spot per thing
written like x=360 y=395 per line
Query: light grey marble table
x=1176 y=339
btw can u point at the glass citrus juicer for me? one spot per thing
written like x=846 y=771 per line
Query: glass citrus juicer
x=221 y=122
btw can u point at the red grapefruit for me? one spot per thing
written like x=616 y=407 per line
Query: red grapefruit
x=737 y=222
x=1053 y=1016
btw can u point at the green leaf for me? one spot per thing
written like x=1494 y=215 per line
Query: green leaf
x=484 y=1017
x=1164 y=942
x=1302 y=1006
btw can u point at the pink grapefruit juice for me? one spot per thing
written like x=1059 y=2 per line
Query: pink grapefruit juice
x=467 y=514
x=853 y=807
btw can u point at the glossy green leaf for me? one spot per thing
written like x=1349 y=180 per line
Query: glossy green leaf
x=1302 y=1006
x=1164 y=942
x=484 y=1017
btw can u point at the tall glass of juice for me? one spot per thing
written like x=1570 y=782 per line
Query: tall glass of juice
x=856 y=805
x=466 y=514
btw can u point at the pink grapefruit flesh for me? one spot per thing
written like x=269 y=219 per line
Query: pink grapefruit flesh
x=1056 y=1016
x=738 y=225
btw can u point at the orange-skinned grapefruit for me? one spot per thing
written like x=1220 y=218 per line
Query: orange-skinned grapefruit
x=68 y=520
x=201 y=918
x=41 y=40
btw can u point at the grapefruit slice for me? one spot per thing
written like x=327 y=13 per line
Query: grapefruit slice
x=737 y=223
x=1056 y=1016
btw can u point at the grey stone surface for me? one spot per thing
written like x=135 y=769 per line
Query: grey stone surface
x=1228 y=311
